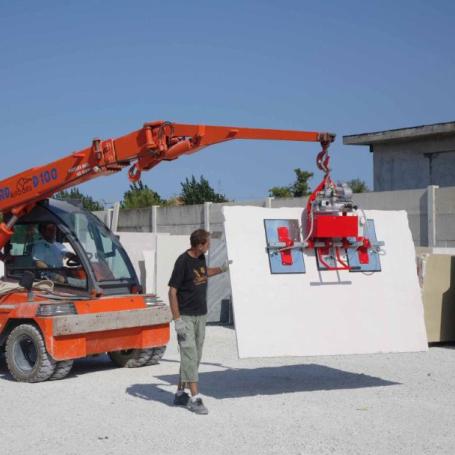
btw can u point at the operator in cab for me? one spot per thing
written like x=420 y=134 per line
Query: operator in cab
x=48 y=253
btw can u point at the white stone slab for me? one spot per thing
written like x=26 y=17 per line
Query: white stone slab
x=301 y=314
x=153 y=257
x=135 y=243
x=219 y=286
x=150 y=271
x=168 y=249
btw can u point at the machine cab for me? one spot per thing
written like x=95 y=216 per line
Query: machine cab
x=68 y=245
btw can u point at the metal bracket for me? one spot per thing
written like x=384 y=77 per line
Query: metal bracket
x=284 y=248
x=366 y=260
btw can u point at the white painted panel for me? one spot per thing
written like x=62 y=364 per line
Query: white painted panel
x=219 y=287
x=2 y=269
x=135 y=243
x=153 y=257
x=150 y=271
x=279 y=315
x=169 y=248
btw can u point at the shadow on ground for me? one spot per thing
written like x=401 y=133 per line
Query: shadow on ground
x=234 y=383
x=84 y=366
x=444 y=345
x=88 y=365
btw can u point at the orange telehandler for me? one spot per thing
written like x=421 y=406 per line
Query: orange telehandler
x=89 y=301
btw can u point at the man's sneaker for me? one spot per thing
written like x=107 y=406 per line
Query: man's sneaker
x=181 y=399
x=197 y=406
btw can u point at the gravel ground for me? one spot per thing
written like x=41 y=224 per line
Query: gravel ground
x=364 y=404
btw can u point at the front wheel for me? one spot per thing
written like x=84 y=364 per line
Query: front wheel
x=62 y=370
x=26 y=355
x=156 y=355
x=130 y=358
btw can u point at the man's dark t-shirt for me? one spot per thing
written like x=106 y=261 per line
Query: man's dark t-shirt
x=189 y=277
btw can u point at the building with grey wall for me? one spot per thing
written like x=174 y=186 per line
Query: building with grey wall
x=411 y=158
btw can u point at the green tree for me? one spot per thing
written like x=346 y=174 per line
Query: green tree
x=358 y=186
x=75 y=195
x=280 y=191
x=299 y=188
x=198 y=192
x=140 y=195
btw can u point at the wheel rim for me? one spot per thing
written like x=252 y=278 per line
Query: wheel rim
x=25 y=353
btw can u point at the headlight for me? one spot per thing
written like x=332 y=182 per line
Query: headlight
x=56 y=309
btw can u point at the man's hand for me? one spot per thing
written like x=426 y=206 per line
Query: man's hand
x=225 y=266
x=180 y=328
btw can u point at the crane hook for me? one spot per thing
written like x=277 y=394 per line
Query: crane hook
x=134 y=173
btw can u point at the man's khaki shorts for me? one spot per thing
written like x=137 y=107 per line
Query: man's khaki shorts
x=191 y=348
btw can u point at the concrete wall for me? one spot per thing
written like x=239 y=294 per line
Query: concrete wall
x=431 y=214
x=413 y=201
x=445 y=217
x=414 y=163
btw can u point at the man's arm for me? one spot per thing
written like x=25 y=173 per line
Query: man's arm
x=64 y=250
x=212 y=271
x=37 y=254
x=180 y=326
x=174 y=303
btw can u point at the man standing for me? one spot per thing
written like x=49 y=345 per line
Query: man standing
x=188 y=300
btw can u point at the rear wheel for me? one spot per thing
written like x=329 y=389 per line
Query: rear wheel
x=156 y=355
x=26 y=355
x=61 y=370
x=130 y=358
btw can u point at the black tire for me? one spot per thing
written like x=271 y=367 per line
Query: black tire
x=61 y=370
x=156 y=355
x=130 y=358
x=26 y=355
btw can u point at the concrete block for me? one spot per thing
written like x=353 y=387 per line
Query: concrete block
x=439 y=296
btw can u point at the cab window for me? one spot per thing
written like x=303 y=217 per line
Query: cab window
x=43 y=249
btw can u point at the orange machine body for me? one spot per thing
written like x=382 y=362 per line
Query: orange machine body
x=101 y=325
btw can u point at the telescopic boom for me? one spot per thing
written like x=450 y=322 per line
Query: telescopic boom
x=141 y=150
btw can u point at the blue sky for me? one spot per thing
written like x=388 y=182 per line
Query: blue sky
x=71 y=71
